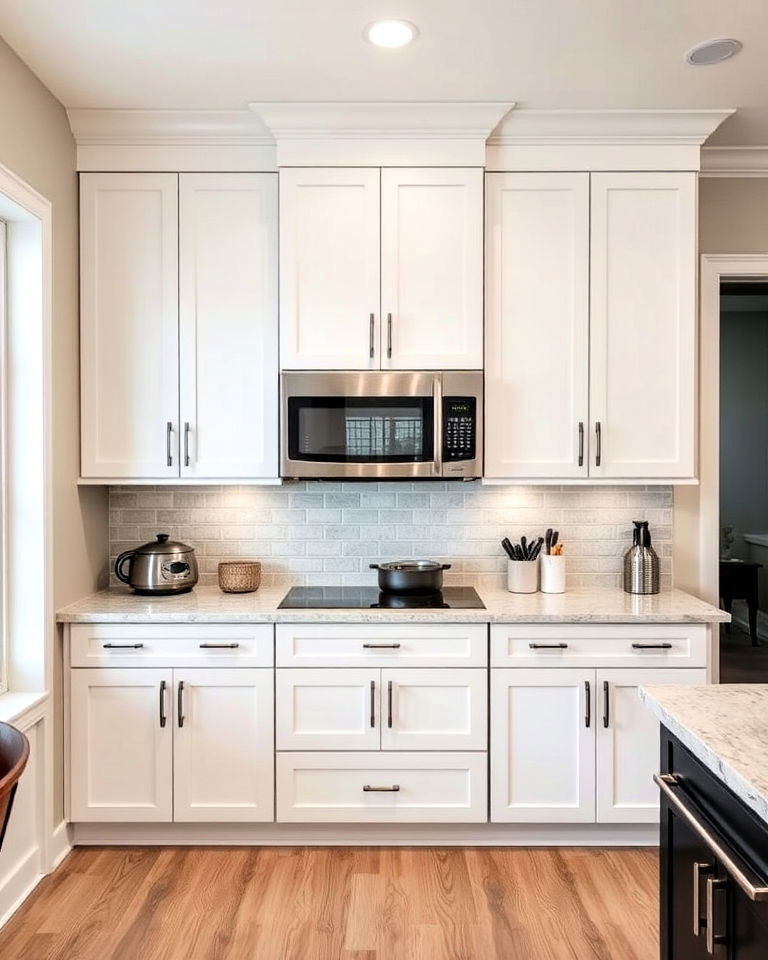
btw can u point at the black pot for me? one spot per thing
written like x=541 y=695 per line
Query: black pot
x=410 y=576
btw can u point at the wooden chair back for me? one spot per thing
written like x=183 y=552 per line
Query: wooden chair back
x=14 y=753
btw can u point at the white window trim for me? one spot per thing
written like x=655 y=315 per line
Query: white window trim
x=4 y=639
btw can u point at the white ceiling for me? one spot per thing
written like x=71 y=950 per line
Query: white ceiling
x=543 y=54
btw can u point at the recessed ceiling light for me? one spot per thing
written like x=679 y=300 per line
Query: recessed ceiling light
x=713 y=51
x=390 y=33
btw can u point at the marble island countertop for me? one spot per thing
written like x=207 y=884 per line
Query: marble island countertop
x=726 y=727
x=210 y=605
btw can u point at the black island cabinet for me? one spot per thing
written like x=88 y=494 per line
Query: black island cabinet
x=713 y=864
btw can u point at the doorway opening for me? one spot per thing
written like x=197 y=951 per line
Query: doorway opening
x=743 y=476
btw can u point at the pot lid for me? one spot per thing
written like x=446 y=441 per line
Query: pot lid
x=163 y=545
x=411 y=566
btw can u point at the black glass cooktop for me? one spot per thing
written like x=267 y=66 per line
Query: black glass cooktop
x=362 y=598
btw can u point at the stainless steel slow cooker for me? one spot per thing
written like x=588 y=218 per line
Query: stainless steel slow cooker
x=159 y=567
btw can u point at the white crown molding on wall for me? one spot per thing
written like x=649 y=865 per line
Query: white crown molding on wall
x=171 y=140
x=734 y=162
x=602 y=139
x=445 y=133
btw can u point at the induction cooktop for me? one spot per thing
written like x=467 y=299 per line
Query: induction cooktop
x=363 y=598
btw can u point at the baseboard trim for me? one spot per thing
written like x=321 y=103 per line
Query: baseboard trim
x=61 y=843
x=18 y=884
x=385 y=835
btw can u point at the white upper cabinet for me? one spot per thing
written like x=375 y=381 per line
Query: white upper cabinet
x=591 y=326
x=129 y=325
x=432 y=269
x=228 y=324
x=329 y=268
x=643 y=324
x=537 y=326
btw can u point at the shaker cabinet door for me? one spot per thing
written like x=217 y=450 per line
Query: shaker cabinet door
x=542 y=746
x=329 y=268
x=432 y=269
x=537 y=325
x=129 y=325
x=228 y=325
x=223 y=758
x=643 y=325
x=120 y=745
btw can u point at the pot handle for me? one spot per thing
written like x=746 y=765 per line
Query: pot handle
x=374 y=566
x=120 y=563
x=446 y=566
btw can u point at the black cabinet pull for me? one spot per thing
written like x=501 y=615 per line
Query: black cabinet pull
x=180 y=704
x=122 y=646
x=606 y=703
x=381 y=646
x=373 y=703
x=219 y=646
x=599 y=439
x=588 y=699
x=395 y=788
x=389 y=336
x=163 y=717
x=370 y=337
x=548 y=646
x=389 y=704
x=581 y=443
x=651 y=646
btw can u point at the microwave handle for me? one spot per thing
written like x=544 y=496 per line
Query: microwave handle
x=437 y=402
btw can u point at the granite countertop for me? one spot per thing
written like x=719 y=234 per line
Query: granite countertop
x=209 y=604
x=726 y=727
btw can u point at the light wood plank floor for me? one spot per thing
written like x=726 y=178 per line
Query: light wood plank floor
x=281 y=903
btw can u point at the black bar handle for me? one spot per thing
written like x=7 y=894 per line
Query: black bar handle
x=122 y=646
x=180 y=704
x=219 y=646
x=389 y=336
x=381 y=646
x=548 y=646
x=373 y=703
x=606 y=703
x=588 y=700
x=395 y=788
x=163 y=717
x=581 y=443
x=651 y=646
x=599 y=438
x=389 y=704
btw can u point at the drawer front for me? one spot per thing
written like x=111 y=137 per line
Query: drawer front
x=432 y=788
x=434 y=709
x=381 y=645
x=599 y=645
x=328 y=709
x=171 y=645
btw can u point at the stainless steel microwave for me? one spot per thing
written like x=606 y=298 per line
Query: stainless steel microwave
x=382 y=424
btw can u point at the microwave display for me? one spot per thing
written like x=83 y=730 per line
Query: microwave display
x=361 y=429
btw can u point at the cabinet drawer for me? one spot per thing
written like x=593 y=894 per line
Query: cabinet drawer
x=599 y=645
x=381 y=645
x=171 y=645
x=433 y=787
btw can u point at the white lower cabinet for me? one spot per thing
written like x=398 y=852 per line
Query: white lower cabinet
x=382 y=787
x=542 y=746
x=575 y=745
x=172 y=744
x=121 y=745
x=223 y=755
x=628 y=743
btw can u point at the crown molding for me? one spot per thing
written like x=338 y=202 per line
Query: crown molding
x=602 y=139
x=171 y=140
x=734 y=162
x=381 y=132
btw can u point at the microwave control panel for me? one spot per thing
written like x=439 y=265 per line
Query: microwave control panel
x=459 y=428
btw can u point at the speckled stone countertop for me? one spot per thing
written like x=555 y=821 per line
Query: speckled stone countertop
x=210 y=605
x=726 y=727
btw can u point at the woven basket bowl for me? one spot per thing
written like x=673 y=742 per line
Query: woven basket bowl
x=239 y=576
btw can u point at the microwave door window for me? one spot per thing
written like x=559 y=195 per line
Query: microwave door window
x=361 y=430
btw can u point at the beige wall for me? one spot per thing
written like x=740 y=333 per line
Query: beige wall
x=36 y=144
x=733 y=218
